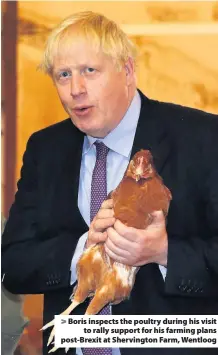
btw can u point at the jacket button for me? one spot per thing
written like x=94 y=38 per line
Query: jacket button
x=182 y=288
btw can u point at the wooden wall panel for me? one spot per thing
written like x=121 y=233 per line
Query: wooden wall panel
x=38 y=104
x=9 y=103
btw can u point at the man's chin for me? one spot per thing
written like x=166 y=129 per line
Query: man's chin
x=90 y=130
x=95 y=132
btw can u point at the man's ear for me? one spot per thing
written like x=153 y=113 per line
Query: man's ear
x=130 y=70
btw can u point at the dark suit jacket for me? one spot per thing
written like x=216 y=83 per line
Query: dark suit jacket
x=45 y=223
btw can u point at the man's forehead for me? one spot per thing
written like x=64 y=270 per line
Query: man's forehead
x=70 y=46
x=78 y=54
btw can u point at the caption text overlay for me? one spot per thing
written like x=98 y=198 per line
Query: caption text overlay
x=136 y=331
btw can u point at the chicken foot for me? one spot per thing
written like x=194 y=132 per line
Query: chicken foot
x=79 y=297
x=86 y=285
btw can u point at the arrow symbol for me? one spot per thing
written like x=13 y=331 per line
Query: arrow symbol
x=63 y=321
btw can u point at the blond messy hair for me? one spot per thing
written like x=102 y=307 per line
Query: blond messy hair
x=100 y=32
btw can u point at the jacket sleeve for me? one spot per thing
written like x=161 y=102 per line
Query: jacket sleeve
x=192 y=268
x=31 y=263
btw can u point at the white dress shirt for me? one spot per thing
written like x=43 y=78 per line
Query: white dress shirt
x=120 y=142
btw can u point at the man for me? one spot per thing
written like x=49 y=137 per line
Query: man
x=91 y=62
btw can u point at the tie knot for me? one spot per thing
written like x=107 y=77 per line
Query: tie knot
x=101 y=151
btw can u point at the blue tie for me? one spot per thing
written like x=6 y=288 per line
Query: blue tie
x=98 y=195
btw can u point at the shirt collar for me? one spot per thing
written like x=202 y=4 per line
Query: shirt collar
x=121 y=138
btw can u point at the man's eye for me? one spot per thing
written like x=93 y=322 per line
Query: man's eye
x=64 y=74
x=89 y=70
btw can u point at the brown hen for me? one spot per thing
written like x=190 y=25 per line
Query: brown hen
x=140 y=192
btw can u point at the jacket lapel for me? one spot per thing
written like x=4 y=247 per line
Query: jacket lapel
x=70 y=162
x=151 y=133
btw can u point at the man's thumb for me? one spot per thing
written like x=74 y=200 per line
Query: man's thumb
x=158 y=217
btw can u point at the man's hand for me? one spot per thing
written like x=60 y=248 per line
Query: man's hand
x=136 y=247
x=103 y=220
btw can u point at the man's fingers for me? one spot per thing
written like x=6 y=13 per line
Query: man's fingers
x=100 y=237
x=101 y=224
x=95 y=237
x=158 y=217
x=115 y=257
x=116 y=250
x=105 y=213
x=107 y=203
x=119 y=241
x=127 y=232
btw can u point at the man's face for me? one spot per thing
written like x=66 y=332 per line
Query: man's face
x=93 y=92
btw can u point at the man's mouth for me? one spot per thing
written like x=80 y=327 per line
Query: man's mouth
x=82 y=110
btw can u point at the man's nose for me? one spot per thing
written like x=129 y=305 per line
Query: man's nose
x=78 y=86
